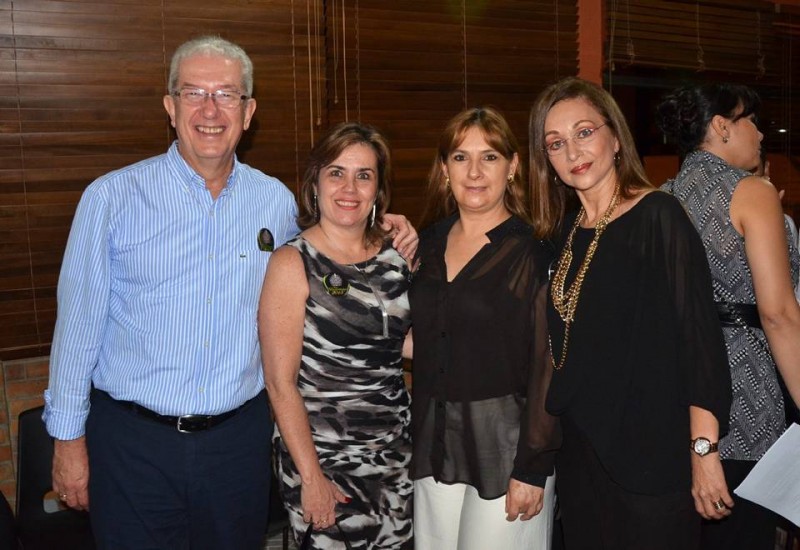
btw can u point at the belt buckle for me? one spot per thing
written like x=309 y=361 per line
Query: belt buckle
x=189 y=417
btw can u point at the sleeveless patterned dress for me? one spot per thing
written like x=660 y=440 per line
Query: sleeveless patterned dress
x=352 y=384
x=705 y=185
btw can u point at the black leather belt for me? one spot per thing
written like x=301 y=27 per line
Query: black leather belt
x=187 y=423
x=733 y=314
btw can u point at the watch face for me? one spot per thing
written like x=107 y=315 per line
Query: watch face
x=702 y=446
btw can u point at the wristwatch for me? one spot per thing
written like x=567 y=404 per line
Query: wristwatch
x=703 y=446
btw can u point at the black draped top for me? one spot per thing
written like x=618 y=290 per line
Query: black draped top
x=481 y=368
x=645 y=344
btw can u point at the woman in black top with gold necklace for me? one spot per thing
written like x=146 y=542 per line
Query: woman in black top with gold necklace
x=637 y=352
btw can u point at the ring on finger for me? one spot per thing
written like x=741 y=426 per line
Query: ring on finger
x=718 y=505
x=62 y=496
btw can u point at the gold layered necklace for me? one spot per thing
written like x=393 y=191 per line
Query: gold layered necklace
x=566 y=300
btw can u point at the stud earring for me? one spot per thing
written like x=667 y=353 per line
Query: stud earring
x=724 y=139
x=511 y=178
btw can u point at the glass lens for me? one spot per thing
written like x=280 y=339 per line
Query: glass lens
x=223 y=98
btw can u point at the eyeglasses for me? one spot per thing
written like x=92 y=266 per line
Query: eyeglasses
x=582 y=137
x=227 y=99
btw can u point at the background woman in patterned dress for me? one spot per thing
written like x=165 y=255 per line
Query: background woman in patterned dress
x=740 y=220
x=333 y=317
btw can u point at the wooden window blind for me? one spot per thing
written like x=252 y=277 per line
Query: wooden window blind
x=82 y=83
x=80 y=95
x=735 y=36
x=411 y=66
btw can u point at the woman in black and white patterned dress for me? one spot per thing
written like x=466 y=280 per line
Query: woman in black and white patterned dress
x=740 y=221
x=334 y=313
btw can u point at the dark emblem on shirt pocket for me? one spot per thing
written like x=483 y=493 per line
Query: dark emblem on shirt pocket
x=266 y=242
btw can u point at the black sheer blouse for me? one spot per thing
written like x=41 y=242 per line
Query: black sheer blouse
x=645 y=344
x=481 y=367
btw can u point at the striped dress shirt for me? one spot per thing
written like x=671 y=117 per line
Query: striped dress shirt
x=159 y=289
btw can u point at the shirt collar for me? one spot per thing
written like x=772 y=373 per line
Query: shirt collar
x=187 y=174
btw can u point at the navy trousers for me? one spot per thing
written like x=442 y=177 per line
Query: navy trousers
x=154 y=488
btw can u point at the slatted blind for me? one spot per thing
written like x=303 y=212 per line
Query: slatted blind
x=662 y=43
x=656 y=45
x=411 y=66
x=81 y=84
x=735 y=36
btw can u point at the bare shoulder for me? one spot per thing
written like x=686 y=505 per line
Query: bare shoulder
x=755 y=194
x=286 y=272
x=286 y=257
x=755 y=202
x=756 y=187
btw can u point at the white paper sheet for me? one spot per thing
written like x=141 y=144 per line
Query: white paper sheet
x=774 y=482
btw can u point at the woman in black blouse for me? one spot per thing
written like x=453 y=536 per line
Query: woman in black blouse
x=483 y=445
x=639 y=366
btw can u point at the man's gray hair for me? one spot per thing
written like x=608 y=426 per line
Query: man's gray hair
x=211 y=45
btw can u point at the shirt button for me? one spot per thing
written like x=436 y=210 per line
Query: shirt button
x=210 y=256
x=208 y=300
x=205 y=344
x=201 y=390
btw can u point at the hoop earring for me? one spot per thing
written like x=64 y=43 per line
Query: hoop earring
x=372 y=217
x=316 y=209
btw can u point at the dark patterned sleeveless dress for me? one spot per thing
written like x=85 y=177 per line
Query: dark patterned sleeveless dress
x=352 y=384
x=705 y=185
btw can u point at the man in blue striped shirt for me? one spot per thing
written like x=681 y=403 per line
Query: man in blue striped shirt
x=157 y=328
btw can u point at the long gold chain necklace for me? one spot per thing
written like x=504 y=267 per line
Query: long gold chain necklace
x=566 y=300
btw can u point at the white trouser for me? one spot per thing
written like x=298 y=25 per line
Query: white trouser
x=455 y=517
